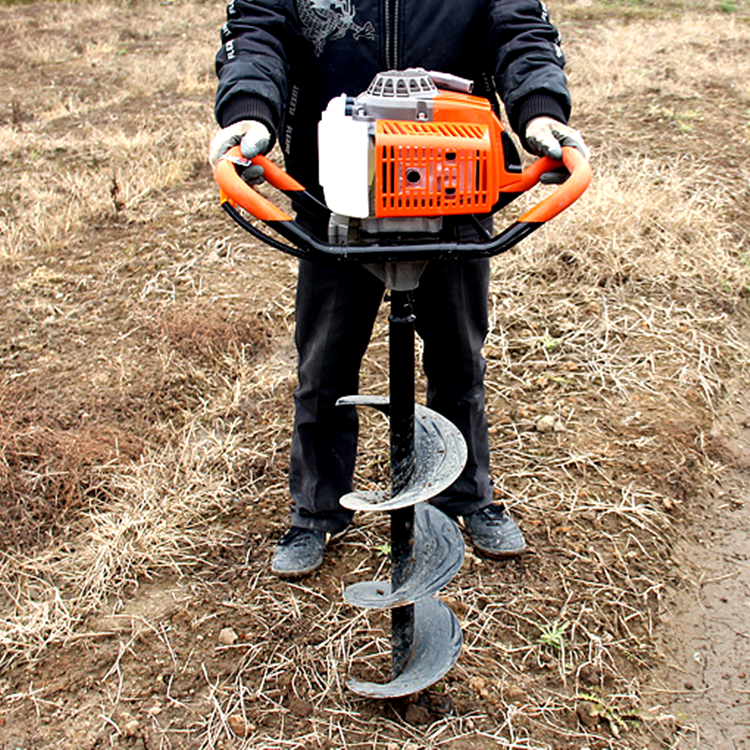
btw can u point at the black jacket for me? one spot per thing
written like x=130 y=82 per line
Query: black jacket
x=282 y=61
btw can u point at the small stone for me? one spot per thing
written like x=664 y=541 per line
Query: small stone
x=154 y=710
x=546 y=423
x=477 y=683
x=240 y=726
x=513 y=694
x=130 y=728
x=227 y=637
x=416 y=715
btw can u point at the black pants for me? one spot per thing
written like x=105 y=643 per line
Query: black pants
x=336 y=309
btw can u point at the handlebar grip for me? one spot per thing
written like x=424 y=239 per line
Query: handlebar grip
x=567 y=193
x=236 y=190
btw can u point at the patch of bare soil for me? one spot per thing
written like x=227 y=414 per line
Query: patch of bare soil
x=146 y=377
x=706 y=645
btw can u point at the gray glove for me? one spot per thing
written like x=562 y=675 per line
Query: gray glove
x=546 y=137
x=253 y=138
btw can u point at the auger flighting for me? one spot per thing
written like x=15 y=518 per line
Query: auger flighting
x=428 y=454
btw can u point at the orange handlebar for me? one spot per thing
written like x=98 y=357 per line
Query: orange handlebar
x=236 y=190
x=567 y=193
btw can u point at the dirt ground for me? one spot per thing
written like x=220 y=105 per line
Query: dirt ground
x=146 y=375
x=707 y=655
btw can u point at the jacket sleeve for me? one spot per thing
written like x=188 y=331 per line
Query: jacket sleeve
x=253 y=62
x=527 y=62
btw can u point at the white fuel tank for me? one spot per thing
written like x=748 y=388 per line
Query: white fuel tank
x=343 y=150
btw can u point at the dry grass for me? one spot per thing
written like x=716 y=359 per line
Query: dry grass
x=651 y=10
x=146 y=384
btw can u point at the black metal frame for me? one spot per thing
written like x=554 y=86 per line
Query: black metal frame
x=307 y=246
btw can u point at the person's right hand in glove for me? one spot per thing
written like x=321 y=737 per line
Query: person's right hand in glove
x=253 y=138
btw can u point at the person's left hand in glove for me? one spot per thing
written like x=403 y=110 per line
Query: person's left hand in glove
x=546 y=137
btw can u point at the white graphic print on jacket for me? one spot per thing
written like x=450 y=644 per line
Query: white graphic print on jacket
x=330 y=19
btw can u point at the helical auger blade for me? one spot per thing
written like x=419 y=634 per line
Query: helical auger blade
x=437 y=645
x=441 y=456
x=437 y=553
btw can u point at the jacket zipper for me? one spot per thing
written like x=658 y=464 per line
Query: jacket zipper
x=391 y=34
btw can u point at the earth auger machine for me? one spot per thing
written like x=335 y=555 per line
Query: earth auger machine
x=395 y=161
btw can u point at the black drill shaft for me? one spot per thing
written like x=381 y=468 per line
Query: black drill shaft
x=403 y=459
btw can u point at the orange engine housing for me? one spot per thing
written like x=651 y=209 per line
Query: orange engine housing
x=453 y=164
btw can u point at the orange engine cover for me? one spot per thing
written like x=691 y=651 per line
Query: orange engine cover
x=451 y=165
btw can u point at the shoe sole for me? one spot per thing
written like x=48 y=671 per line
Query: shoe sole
x=497 y=555
x=292 y=574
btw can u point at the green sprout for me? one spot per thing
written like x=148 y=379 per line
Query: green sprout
x=549 y=342
x=616 y=717
x=552 y=634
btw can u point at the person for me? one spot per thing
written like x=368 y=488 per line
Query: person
x=280 y=63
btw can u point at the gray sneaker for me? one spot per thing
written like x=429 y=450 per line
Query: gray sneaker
x=299 y=552
x=494 y=533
